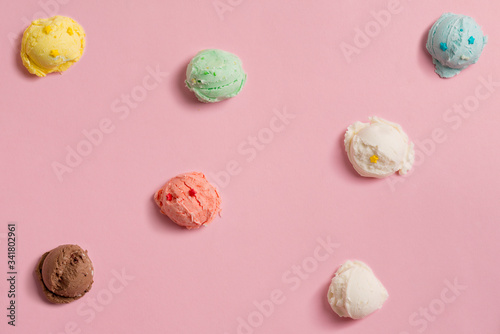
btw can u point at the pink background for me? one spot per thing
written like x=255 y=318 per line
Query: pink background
x=438 y=224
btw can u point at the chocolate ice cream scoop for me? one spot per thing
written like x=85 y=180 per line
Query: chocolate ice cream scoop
x=65 y=273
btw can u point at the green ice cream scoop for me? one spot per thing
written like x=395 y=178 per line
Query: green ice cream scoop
x=215 y=75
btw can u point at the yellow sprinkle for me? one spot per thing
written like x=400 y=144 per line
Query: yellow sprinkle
x=47 y=29
x=54 y=53
x=70 y=31
x=208 y=67
x=374 y=159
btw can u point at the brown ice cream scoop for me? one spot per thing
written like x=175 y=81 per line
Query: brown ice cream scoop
x=65 y=273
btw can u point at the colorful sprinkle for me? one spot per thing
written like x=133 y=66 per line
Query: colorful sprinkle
x=192 y=192
x=70 y=31
x=471 y=40
x=443 y=46
x=461 y=30
x=54 y=53
x=205 y=72
x=215 y=74
x=47 y=29
x=169 y=197
x=374 y=159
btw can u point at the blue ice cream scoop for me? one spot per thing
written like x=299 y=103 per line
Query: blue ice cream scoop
x=455 y=42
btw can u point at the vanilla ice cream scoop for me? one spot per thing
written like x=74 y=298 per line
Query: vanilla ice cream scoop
x=355 y=292
x=379 y=148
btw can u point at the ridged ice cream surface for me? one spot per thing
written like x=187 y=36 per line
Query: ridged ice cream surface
x=379 y=148
x=215 y=75
x=67 y=271
x=355 y=292
x=52 y=45
x=455 y=42
x=189 y=200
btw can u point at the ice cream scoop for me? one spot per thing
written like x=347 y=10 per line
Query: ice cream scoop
x=215 y=75
x=379 y=148
x=189 y=200
x=52 y=45
x=455 y=42
x=65 y=273
x=355 y=292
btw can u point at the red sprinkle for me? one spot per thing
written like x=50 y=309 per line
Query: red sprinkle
x=169 y=197
x=192 y=192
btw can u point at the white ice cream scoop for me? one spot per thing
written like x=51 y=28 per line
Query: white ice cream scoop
x=355 y=292
x=379 y=148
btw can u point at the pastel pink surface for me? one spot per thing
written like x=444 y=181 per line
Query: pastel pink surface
x=438 y=225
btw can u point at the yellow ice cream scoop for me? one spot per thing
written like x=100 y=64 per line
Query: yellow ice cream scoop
x=52 y=45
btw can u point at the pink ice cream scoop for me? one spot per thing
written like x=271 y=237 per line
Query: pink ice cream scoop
x=189 y=200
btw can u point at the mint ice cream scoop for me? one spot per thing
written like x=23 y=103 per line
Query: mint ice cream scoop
x=455 y=42
x=215 y=75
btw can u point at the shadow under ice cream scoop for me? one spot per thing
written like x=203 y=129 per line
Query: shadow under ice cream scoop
x=215 y=75
x=65 y=274
x=455 y=42
x=189 y=200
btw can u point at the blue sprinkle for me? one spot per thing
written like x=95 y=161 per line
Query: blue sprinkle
x=471 y=40
x=461 y=30
x=443 y=46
